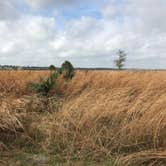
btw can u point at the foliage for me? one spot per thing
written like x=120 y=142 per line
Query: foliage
x=67 y=70
x=45 y=85
x=120 y=62
x=59 y=71
x=52 y=68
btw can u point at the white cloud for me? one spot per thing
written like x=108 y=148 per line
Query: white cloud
x=141 y=15
x=143 y=29
x=26 y=39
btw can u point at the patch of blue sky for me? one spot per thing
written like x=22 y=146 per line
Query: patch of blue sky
x=22 y=8
x=63 y=14
x=78 y=12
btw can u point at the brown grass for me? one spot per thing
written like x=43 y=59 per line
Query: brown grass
x=15 y=82
x=114 y=113
x=105 y=114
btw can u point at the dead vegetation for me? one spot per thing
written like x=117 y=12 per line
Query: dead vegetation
x=95 y=116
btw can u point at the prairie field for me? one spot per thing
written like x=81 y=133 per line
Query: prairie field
x=107 y=118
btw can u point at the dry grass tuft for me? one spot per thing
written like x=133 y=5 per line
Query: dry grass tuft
x=10 y=120
x=152 y=158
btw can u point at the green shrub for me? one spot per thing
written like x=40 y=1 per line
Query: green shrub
x=52 y=68
x=46 y=85
x=67 y=70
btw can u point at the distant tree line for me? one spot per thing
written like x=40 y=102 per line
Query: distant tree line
x=119 y=63
x=13 y=67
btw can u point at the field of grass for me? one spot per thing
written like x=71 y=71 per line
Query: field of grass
x=99 y=118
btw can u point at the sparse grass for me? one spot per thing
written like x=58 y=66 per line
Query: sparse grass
x=93 y=119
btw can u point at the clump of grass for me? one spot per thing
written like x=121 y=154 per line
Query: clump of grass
x=155 y=158
x=10 y=122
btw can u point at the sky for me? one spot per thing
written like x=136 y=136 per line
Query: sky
x=88 y=33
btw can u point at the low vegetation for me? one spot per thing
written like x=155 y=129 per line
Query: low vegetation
x=96 y=118
x=47 y=84
x=67 y=70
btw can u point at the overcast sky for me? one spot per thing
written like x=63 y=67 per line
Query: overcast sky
x=86 y=32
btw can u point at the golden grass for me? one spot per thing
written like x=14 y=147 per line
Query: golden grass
x=106 y=113
x=8 y=119
x=15 y=82
x=114 y=113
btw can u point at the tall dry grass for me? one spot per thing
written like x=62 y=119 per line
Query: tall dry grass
x=105 y=114
x=114 y=113
x=13 y=87
x=15 y=82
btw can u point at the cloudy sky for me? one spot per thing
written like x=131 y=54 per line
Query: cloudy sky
x=86 y=32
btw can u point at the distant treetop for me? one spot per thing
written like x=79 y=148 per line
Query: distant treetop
x=67 y=69
x=52 y=67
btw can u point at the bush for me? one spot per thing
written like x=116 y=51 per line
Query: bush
x=46 y=85
x=52 y=68
x=67 y=70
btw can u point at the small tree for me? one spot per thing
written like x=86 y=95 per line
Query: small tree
x=67 y=70
x=120 y=62
x=52 y=68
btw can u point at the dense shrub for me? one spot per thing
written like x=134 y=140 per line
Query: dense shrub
x=67 y=70
x=52 y=68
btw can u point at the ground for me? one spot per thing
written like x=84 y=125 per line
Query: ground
x=97 y=118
